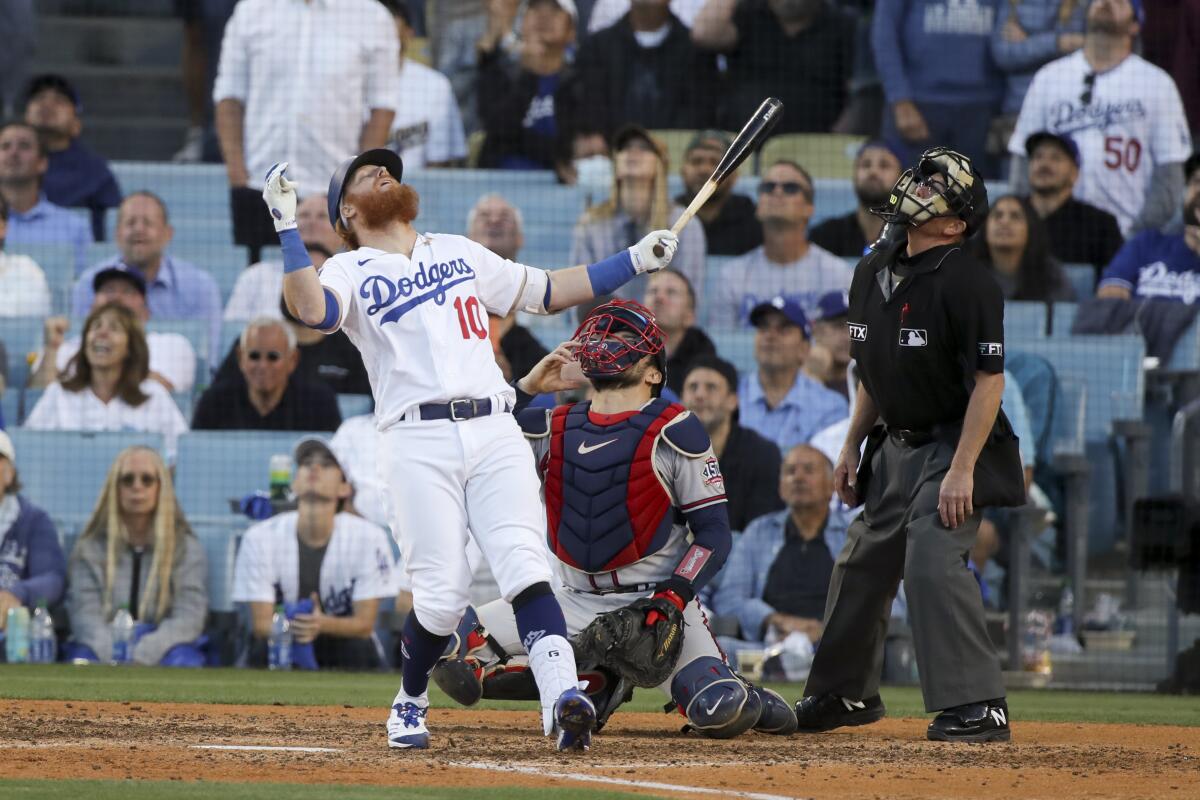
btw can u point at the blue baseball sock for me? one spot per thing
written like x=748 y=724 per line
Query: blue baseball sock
x=538 y=614
x=422 y=650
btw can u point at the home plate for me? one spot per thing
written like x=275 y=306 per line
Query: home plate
x=265 y=748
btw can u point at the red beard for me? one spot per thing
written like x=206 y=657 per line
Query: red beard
x=398 y=202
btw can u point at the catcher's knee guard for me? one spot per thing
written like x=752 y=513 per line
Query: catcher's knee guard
x=717 y=703
x=778 y=717
x=469 y=655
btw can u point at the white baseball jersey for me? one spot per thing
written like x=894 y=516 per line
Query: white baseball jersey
x=1133 y=123
x=357 y=565
x=428 y=126
x=421 y=323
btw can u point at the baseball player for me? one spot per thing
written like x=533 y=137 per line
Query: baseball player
x=416 y=305
x=1124 y=113
x=635 y=507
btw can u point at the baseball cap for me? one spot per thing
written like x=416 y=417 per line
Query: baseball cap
x=717 y=140
x=879 y=144
x=122 y=272
x=716 y=364
x=566 y=5
x=832 y=305
x=380 y=156
x=1066 y=143
x=316 y=444
x=630 y=132
x=6 y=448
x=790 y=309
x=55 y=82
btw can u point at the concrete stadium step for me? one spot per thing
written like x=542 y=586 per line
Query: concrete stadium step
x=135 y=137
x=148 y=42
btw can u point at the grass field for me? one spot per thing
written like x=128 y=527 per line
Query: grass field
x=376 y=690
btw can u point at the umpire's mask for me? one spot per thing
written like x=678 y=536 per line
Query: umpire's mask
x=943 y=184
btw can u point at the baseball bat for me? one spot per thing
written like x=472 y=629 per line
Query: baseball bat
x=751 y=136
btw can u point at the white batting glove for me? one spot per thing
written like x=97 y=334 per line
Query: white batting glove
x=644 y=252
x=280 y=196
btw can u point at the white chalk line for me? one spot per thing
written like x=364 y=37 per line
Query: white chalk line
x=266 y=748
x=575 y=776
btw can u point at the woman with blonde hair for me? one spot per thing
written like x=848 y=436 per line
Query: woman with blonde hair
x=638 y=204
x=138 y=551
x=107 y=384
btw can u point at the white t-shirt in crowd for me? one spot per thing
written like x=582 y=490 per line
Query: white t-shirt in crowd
x=428 y=127
x=256 y=292
x=307 y=75
x=1133 y=123
x=26 y=292
x=357 y=564
x=421 y=323
x=171 y=355
x=753 y=279
x=60 y=410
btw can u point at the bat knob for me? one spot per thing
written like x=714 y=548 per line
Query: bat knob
x=658 y=251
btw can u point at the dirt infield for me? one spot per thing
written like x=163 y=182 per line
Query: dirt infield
x=637 y=752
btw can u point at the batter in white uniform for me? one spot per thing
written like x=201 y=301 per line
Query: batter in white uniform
x=454 y=460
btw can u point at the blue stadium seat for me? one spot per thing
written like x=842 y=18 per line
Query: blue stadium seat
x=1186 y=355
x=230 y=332
x=10 y=408
x=214 y=467
x=353 y=405
x=1024 y=319
x=63 y=471
x=219 y=537
x=21 y=336
x=735 y=346
x=1062 y=318
x=1082 y=278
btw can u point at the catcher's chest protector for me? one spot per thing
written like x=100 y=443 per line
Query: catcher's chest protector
x=605 y=507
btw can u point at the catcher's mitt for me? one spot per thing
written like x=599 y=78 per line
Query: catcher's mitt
x=640 y=642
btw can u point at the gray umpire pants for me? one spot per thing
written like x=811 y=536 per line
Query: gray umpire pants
x=899 y=534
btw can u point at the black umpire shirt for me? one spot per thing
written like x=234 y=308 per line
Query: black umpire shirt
x=919 y=345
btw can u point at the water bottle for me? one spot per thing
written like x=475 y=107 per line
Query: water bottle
x=279 y=643
x=16 y=633
x=42 y=643
x=122 y=636
x=1066 y=612
x=280 y=476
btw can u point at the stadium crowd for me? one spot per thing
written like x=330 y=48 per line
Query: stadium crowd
x=579 y=88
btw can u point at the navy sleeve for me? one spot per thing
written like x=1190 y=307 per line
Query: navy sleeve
x=704 y=559
x=45 y=566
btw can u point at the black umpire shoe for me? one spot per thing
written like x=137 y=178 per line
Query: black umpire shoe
x=973 y=722
x=828 y=711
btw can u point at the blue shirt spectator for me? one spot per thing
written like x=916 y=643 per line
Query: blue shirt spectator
x=175 y=289
x=1158 y=265
x=1029 y=34
x=32 y=566
x=929 y=104
x=777 y=575
x=77 y=177
x=778 y=400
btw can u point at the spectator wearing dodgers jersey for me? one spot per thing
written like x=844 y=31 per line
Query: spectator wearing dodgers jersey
x=341 y=563
x=427 y=130
x=1161 y=265
x=1124 y=114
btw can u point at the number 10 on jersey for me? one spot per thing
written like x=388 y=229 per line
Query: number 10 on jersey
x=471 y=320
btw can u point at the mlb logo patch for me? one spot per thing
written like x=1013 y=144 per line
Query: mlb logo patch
x=991 y=349
x=858 y=333
x=913 y=337
x=711 y=472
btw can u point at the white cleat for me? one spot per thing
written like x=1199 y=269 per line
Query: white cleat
x=406 y=727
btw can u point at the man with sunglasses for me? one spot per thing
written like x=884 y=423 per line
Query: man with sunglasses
x=926 y=323
x=1125 y=115
x=271 y=397
x=455 y=462
x=787 y=264
x=636 y=518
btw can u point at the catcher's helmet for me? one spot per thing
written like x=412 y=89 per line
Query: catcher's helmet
x=617 y=335
x=953 y=188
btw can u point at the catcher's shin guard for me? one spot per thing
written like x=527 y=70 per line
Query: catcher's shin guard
x=470 y=656
x=717 y=703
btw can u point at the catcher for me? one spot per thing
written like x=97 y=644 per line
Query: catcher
x=636 y=518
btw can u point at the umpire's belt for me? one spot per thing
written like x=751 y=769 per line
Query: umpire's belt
x=457 y=410
x=909 y=437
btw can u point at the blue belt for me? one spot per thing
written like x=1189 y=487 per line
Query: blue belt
x=457 y=410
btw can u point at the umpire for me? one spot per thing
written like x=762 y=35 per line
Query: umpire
x=926 y=324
